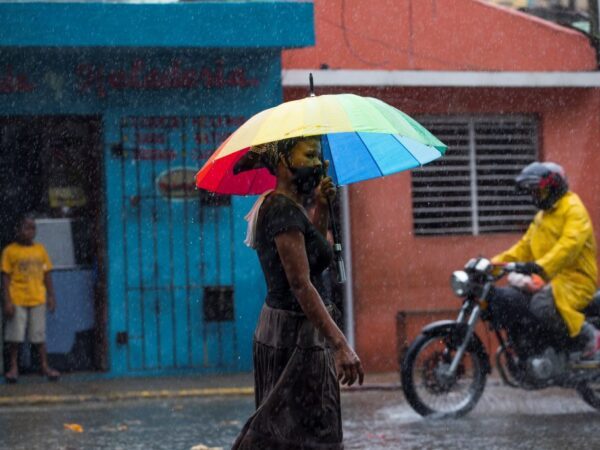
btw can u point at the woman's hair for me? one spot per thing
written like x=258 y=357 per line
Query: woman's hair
x=266 y=155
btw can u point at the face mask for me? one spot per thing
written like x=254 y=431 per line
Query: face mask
x=540 y=197
x=541 y=200
x=306 y=179
x=543 y=197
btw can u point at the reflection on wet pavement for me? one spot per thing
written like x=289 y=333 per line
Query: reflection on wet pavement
x=505 y=418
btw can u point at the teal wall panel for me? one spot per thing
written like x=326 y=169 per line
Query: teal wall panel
x=161 y=253
x=187 y=24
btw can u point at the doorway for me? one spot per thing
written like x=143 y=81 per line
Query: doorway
x=52 y=168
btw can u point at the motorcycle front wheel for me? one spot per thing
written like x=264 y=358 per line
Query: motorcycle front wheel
x=425 y=381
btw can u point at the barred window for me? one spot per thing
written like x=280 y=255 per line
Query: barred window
x=471 y=189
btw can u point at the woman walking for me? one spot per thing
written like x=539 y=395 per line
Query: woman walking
x=300 y=355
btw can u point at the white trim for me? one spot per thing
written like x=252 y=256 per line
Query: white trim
x=426 y=78
x=473 y=172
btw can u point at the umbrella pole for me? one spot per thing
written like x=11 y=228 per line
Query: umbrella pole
x=337 y=240
x=337 y=246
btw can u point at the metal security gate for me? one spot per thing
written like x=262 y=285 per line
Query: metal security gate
x=175 y=258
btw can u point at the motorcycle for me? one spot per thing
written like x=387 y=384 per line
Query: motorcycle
x=444 y=370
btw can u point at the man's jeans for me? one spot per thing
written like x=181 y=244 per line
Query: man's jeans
x=533 y=318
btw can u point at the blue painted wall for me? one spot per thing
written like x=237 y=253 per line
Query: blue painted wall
x=195 y=87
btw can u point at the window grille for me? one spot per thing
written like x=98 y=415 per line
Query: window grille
x=471 y=189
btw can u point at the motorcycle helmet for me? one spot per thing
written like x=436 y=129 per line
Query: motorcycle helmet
x=546 y=182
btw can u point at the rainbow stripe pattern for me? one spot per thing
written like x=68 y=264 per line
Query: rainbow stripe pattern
x=362 y=137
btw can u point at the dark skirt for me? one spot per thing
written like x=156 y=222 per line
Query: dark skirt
x=296 y=389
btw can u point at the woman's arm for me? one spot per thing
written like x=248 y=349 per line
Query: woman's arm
x=292 y=253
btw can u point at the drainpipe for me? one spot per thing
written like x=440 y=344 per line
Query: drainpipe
x=348 y=288
x=595 y=28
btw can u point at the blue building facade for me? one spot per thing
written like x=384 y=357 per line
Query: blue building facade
x=106 y=113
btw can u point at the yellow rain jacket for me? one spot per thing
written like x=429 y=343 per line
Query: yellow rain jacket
x=561 y=241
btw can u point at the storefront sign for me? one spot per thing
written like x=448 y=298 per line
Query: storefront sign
x=178 y=183
x=170 y=138
x=152 y=154
x=68 y=196
x=98 y=79
x=14 y=83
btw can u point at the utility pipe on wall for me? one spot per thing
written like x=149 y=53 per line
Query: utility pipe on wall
x=347 y=245
x=594 y=12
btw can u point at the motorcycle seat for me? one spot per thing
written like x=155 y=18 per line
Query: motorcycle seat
x=593 y=309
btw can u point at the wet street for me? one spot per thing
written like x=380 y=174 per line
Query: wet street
x=505 y=418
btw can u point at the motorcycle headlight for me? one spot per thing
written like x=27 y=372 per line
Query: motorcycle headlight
x=460 y=282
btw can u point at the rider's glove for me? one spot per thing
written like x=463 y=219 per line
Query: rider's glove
x=529 y=283
x=529 y=268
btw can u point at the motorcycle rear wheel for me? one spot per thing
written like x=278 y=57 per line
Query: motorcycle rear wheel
x=425 y=387
x=590 y=393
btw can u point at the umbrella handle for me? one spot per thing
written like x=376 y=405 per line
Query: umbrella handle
x=337 y=246
x=337 y=241
x=339 y=263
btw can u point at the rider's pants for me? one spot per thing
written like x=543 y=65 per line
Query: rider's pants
x=521 y=313
x=543 y=308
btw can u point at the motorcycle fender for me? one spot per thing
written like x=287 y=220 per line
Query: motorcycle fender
x=458 y=330
x=441 y=325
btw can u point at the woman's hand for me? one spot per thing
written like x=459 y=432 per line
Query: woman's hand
x=348 y=366
x=326 y=190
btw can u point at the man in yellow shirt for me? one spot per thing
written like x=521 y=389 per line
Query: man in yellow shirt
x=27 y=288
x=559 y=246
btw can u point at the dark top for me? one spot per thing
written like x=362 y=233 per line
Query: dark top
x=279 y=214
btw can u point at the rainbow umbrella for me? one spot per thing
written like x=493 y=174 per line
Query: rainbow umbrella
x=362 y=137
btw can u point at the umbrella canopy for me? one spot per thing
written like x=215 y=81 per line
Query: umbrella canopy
x=362 y=137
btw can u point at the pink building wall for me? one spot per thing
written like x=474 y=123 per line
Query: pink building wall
x=394 y=270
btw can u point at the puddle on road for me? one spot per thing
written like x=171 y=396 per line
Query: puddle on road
x=544 y=402
x=400 y=414
x=504 y=419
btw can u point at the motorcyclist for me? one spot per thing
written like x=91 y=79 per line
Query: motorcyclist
x=559 y=246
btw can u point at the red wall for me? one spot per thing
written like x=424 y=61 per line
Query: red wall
x=394 y=270
x=437 y=35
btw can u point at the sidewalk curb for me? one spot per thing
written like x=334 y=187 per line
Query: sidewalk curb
x=29 y=400
x=127 y=395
